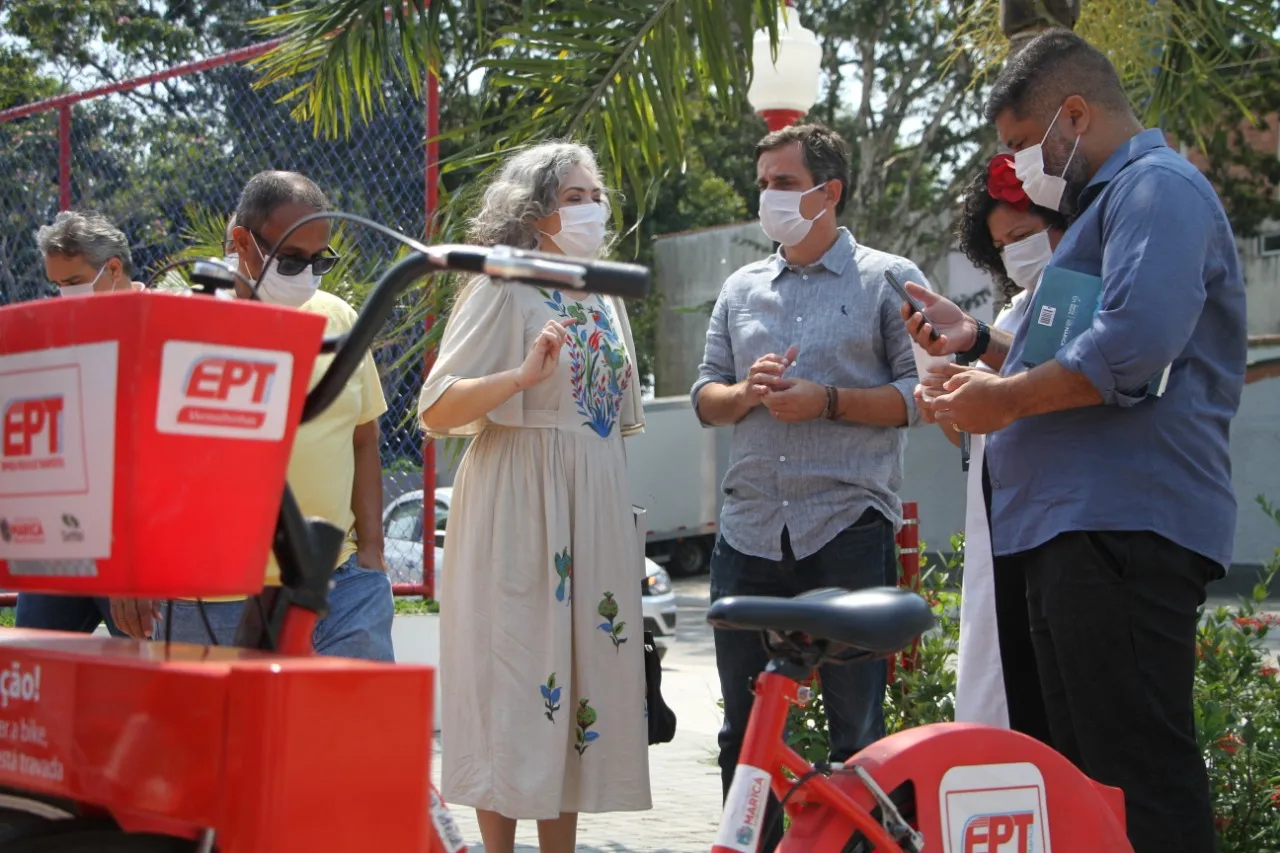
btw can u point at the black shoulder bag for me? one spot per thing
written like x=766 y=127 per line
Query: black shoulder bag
x=662 y=720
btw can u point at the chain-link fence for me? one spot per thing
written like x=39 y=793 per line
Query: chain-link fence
x=166 y=156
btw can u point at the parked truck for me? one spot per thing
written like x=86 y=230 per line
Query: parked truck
x=676 y=467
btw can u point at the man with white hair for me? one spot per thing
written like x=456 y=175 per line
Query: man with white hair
x=84 y=253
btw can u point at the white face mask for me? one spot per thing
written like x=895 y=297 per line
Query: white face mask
x=780 y=215
x=72 y=290
x=1026 y=259
x=67 y=291
x=1028 y=165
x=581 y=229
x=289 y=291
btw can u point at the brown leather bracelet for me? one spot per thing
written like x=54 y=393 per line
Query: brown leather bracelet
x=832 y=411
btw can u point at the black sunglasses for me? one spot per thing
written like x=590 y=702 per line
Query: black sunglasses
x=320 y=264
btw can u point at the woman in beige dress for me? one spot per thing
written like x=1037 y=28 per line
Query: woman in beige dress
x=542 y=660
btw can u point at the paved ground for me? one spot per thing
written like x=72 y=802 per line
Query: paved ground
x=685 y=779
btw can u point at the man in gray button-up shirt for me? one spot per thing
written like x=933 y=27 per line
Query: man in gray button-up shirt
x=807 y=357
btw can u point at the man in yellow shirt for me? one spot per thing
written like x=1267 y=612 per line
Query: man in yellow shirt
x=335 y=470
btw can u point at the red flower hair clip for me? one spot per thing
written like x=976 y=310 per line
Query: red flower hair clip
x=1003 y=184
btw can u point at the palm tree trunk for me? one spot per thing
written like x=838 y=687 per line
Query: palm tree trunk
x=1023 y=20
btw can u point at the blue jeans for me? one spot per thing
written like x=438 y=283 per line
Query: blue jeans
x=859 y=557
x=358 y=625
x=64 y=613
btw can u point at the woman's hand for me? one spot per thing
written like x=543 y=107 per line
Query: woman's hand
x=956 y=330
x=544 y=355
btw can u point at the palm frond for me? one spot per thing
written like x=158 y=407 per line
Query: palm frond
x=340 y=54
x=620 y=75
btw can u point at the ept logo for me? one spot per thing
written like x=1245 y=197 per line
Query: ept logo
x=223 y=391
x=33 y=427
x=994 y=808
x=244 y=386
x=999 y=833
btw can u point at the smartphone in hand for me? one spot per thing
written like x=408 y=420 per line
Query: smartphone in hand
x=916 y=307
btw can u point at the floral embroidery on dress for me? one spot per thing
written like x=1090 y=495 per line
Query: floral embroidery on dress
x=599 y=370
x=564 y=568
x=550 y=697
x=586 y=718
x=609 y=610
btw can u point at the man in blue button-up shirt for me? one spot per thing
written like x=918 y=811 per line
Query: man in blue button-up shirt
x=1117 y=507
x=807 y=358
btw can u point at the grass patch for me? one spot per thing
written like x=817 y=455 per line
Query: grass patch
x=416 y=606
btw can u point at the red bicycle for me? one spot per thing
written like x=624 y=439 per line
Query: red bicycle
x=944 y=788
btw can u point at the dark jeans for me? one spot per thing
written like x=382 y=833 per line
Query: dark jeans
x=1113 y=619
x=64 y=613
x=859 y=557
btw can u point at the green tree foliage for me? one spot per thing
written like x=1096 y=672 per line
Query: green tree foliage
x=1202 y=71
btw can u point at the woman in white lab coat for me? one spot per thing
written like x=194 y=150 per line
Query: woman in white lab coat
x=1004 y=234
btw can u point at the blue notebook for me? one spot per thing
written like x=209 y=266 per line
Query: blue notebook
x=1064 y=305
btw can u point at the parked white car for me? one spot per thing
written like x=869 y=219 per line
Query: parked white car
x=402 y=532
x=402 y=529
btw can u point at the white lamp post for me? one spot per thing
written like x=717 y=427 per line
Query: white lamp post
x=783 y=91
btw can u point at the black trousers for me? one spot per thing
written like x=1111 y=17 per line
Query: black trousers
x=859 y=557
x=1018 y=667
x=1112 y=617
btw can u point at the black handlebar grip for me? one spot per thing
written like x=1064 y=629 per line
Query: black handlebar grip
x=630 y=281
x=466 y=258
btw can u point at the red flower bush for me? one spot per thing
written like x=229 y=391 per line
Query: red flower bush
x=1003 y=184
x=1230 y=743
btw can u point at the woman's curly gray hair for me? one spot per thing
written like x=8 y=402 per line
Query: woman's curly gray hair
x=526 y=190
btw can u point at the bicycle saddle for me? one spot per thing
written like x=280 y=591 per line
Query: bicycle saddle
x=880 y=622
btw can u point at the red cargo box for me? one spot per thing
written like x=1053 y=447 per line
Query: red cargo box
x=275 y=754
x=145 y=438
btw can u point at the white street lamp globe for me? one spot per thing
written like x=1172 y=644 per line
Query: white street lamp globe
x=783 y=91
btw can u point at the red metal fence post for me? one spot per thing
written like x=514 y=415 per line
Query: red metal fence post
x=428 y=444
x=909 y=577
x=64 y=157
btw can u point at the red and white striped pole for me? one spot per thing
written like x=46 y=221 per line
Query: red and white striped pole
x=908 y=539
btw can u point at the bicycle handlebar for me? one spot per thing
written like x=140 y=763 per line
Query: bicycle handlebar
x=629 y=281
x=499 y=263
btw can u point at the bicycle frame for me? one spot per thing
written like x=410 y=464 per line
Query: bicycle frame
x=765 y=754
x=975 y=789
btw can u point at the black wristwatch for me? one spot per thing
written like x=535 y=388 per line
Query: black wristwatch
x=979 y=348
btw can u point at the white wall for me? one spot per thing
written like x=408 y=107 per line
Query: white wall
x=689 y=270
x=1262 y=286
x=934 y=481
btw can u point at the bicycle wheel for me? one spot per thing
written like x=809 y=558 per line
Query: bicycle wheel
x=904 y=798
x=101 y=841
